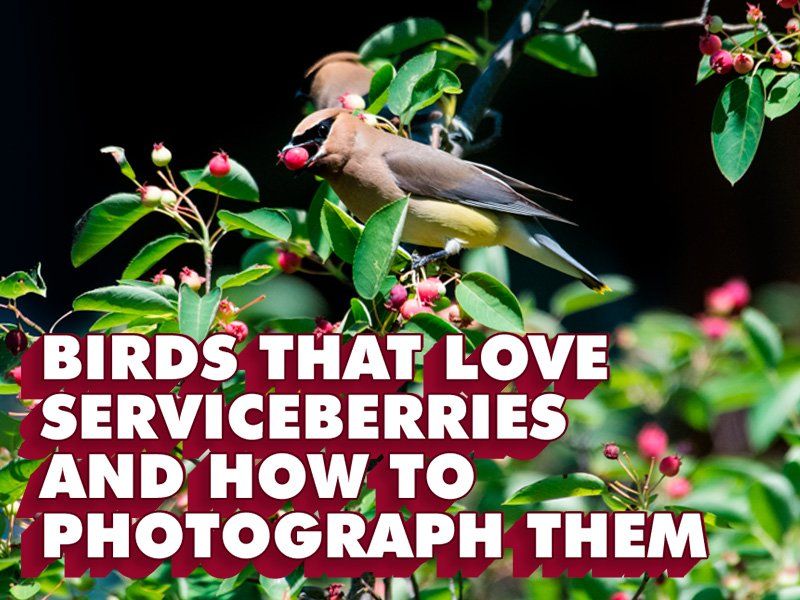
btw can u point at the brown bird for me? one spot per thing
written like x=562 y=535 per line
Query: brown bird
x=335 y=75
x=453 y=203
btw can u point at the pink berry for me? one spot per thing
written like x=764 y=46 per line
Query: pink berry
x=352 y=101
x=219 y=165
x=719 y=301
x=453 y=314
x=16 y=374
x=786 y=3
x=160 y=155
x=715 y=328
x=16 y=341
x=226 y=309
x=739 y=292
x=781 y=58
x=611 y=451
x=294 y=158
x=430 y=290
x=670 y=465
x=369 y=119
x=652 y=441
x=619 y=596
x=191 y=278
x=397 y=296
x=238 y=330
x=335 y=591
x=150 y=194
x=413 y=307
x=792 y=25
x=754 y=14
x=323 y=327
x=743 y=63
x=289 y=262
x=678 y=487
x=710 y=44
x=721 y=62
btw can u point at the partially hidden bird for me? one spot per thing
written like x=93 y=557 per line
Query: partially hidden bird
x=334 y=75
x=453 y=203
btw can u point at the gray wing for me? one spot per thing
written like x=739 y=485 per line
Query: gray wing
x=422 y=171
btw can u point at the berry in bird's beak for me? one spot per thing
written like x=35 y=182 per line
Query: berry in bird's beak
x=294 y=158
x=219 y=165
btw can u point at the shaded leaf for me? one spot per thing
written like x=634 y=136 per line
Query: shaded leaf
x=14 y=477
x=376 y=247
x=129 y=299
x=341 y=230
x=152 y=253
x=402 y=87
x=316 y=235
x=430 y=87
x=490 y=259
x=399 y=37
x=489 y=302
x=737 y=125
x=249 y=275
x=558 y=486
x=20 y=283
x=565 y=52
x=196 y=313
x=770 y=510
x=379 y=88
x=262 y=222
x=768 y=417
x=764 y=335
x=783 y=96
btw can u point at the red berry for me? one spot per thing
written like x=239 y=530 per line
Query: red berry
x=397 y=296
x=611 y=451
x=295 y=158
x=323 y=326
x=289 y=262
x=743 y=63
x=739 y=292
x=219 y=165
x=412 y=307
x=721 y=62
x=619 y=596
x=430 y=290
x=335 y=591
x=670 y=465
x=652 y=441
x=786 y=3
x=678 y=487
x=16 y=375
x=710 y=44
x=237 y=329
x=16 y=341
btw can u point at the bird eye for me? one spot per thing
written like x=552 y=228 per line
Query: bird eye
x=323 y=129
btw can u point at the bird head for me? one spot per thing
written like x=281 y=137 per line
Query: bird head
x=311 y=144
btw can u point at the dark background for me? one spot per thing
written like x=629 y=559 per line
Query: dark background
x=631 y=146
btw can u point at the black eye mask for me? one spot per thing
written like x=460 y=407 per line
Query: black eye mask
x=318 y=133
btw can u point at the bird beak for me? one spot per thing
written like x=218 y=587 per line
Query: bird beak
x=315 y=152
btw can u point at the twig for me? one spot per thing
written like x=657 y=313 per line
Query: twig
x=18 y=313
x=414 y=587
x=642 y=585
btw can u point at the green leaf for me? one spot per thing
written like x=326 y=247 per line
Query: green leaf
x=14 y=477
x=399 y=37
x=9 y=430
x=129 y=299
x=704 y=70
x=429 y=89
x=118 y=154
x=357 y=319
x=316 y=235
x=196 y=313
x=489 y=302
x=768 y=416
x=20 y=283
x=341 y=230
x=379 y=88
x=736 y=126
x=783 y=96
x=262 y=222
x=432 y=328
x=402 y=87
x=558 y=486
x=23 y=591
x=111 y=320
x=566 y=52
x=152 y=253
x=575 y=297
x=770 y=510
x=764 y=335
x=237 y=184
x=249 y=275
x=490 y=259
x=105 y=222
x=375 y=250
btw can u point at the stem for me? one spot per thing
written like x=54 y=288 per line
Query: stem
x=642 y=585
x=414 y=587
x=18 y=313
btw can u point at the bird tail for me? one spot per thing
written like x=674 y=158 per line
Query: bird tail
x=529 y=238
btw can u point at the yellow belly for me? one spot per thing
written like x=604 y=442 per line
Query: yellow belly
x=434 y=222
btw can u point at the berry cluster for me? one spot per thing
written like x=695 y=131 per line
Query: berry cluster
x=743 y=58
x=722 y=303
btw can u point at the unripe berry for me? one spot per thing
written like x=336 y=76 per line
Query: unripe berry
x=792 y=25
x=430 y=290
x=294 y=158
x=412 y=307
x=160 y=155
x=151 y=195
x=781 y=58
x=369 y=119
x=453 y=314
x=611 y=451
x=162 y=278
x=754 y=14
x=721 y=62
x=396 y=297
x=168 y=198
x=219 y=165
x=16 y=341
x=352 y=101
x=714 y=23
x=786 y=3
x=226 y=310
x=670 y=465
x=289 y=262
x=710 y=44
x=743 y=63
x=16 y=374
x=191 y=278
x=238 y=330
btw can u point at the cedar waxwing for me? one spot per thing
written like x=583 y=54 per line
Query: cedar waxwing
x=335 y=75
x=453 y=203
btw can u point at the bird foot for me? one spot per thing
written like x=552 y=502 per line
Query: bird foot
x=417 y=261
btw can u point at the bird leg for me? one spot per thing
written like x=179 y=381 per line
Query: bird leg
x=451 y=248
